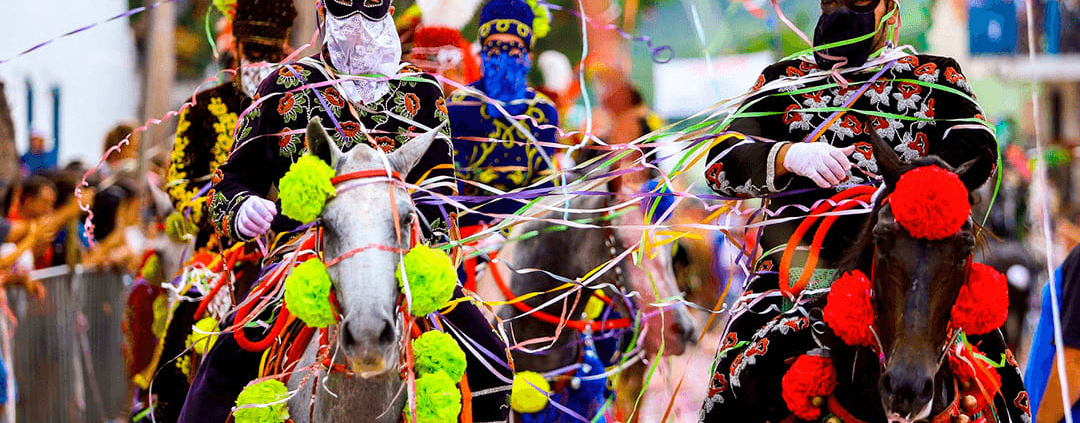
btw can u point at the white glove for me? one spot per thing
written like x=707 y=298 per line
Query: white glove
x=824 y=164
x=254 y=216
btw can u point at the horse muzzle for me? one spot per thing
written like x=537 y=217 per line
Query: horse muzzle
x=907 y=393
x=370 y=345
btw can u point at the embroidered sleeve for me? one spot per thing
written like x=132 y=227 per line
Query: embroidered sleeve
x=268 y=140
x=435 y=171
x=742 y=160
x=957 y=129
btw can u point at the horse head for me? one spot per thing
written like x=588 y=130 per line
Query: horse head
x=915 y=284
x=366 y=227
x=653 y=278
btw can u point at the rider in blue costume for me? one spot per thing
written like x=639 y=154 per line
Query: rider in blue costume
x=493 y=147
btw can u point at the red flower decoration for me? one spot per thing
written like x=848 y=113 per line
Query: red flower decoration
x=286 y=103
x=926 y=69
x=930 y=202
x=412 y=103
x=334 y=98
x=810 y=376
x=350 y=129
x=759 y=83
x=790 y=115
x=849 y=310
x=983 y=302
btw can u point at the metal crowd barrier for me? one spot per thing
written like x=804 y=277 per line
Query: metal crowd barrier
x=66 y=350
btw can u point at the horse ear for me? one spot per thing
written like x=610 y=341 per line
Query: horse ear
x=962 y=171
x=319 y=143
x=405 y=157
x=887 y=160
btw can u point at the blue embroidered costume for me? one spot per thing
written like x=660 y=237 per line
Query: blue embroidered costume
x=493 y=148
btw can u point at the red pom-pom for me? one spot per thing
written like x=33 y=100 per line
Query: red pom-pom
x=977 y=377
x=983 y=302
x=849 y=311
x=810 y=376
x=930 y=202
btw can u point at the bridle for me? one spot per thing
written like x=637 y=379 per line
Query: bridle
x=312 y=248
x=393 y=178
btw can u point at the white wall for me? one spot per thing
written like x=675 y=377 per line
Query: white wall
x=95 y=71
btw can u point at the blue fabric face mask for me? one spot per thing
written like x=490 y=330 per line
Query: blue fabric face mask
x=505 y=70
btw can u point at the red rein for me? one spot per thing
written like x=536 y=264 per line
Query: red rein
x=855 y=195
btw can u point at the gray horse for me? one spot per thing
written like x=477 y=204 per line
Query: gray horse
x=370 y=333
x=574 y=252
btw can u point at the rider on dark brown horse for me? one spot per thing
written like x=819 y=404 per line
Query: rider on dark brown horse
x=390 y=103
x=802 y=137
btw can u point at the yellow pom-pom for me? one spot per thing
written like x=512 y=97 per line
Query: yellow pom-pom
x=262 y=402
x=439 y=352
x=200 y=339
x=431 y=278
x=541 y=23
x=307 y=294
x=305 y=188
x=438 y=399
x=524 y=396
x=594 y=307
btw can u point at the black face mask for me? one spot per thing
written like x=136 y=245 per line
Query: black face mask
x=840 y=23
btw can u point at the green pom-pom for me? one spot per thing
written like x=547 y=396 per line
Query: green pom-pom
x=151 y=268
x=178 y=227
x=265 y=397
x=307 y=294
x=541 y=23
x=431 y=279
x=202 y=339
x=524 y=398
x=305 y=188
x=436 y=351
x=438 y=400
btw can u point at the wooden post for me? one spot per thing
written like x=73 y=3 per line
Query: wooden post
x=9 y=157
x=304 y=26
x=160 y=75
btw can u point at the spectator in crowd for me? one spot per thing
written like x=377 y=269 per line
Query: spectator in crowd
x=1043 y=384
x=126 y=239
x=37 y=159
x=118 y=163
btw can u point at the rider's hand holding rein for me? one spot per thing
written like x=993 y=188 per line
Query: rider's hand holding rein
x=824 y=164
x=254 y=216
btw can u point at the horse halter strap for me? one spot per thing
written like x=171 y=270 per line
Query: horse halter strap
x=852 y=196
x=394 y=176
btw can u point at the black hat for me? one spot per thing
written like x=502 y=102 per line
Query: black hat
x=371 y=9
x=263 y=21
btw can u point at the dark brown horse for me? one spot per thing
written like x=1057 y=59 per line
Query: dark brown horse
x=915 y=284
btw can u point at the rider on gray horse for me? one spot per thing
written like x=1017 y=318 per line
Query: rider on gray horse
x=385 y=112
x=802 y=137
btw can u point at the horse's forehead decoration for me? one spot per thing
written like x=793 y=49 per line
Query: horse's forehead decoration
x=930 y=203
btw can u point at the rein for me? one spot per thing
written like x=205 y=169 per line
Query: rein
x=852 y=196
x=579 y=325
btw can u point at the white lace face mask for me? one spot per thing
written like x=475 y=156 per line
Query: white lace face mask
x=252 y=74
x=361 y=46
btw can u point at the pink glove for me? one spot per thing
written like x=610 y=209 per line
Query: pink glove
x=824 y=164
x=254 y=217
